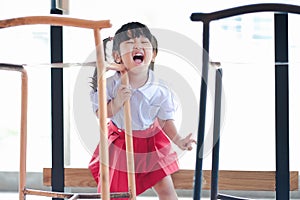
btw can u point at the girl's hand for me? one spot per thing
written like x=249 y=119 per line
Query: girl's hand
x=185 y=143
x=123 y=94
x=115 y=67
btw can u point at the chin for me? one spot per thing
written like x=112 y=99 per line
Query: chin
x=139 y=68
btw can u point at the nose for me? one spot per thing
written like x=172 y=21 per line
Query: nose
x=137 y=45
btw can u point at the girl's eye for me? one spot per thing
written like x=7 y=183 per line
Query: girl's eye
x=130 y=41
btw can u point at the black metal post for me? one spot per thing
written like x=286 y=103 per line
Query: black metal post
x=202 y=110
x=216 y=136
x=57 y=175
x=282 y=106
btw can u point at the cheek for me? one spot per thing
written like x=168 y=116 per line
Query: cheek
x=125 y=55
x=149 y=55
x=126 y=58
x=125 y=51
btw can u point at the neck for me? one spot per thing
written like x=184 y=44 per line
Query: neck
x=137 y=80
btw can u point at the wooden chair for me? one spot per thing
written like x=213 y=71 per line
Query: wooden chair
x=96 y=26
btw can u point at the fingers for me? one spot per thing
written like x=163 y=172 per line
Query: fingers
x=188 y=141
x=125 y=90
x=124 y=87
x=115 y=66
x=124 y=93
x=188 y=137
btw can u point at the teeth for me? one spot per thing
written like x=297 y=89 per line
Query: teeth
x=138 y=58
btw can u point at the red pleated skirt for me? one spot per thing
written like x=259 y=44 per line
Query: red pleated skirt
x=154 y=158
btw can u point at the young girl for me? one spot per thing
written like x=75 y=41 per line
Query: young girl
x=152 y=112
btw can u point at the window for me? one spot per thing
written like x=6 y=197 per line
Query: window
x=25 y=44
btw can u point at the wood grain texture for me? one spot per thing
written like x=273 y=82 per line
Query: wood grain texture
x=56 y=20
x=183 y=179
x=70 y=196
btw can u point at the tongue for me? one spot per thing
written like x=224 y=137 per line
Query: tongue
x=138 y=61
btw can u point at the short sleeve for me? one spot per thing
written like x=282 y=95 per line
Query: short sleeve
x=94 y=100
x=110 y=91
x=168 y=107
x=110 y=88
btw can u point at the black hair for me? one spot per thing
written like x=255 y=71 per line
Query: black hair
x=126 y=32
x=94 y=83
x=155 y=50
x=129 y=31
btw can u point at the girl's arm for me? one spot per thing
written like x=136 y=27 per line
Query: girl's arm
x=113 y=107
x=169 y=128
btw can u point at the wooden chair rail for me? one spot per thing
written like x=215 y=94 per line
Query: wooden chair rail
x=56 y=20
x=184 y=179
x=71 y=196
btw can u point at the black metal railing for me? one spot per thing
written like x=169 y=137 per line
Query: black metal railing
x=281 y=12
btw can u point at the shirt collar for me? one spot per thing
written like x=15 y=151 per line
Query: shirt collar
x=150 y=87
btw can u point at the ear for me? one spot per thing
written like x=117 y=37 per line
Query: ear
x=117 y=57
x=154 y=56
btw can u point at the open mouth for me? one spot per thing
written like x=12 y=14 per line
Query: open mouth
x=138 y=58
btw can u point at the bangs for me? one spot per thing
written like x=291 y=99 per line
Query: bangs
x=130 y=31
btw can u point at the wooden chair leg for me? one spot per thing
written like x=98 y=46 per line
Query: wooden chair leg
x=103 y=150
x=129 y=143
x=23 y=135
x=104 y=161
x=23 y=126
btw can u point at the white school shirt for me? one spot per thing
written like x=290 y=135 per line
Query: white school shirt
x=152 y=100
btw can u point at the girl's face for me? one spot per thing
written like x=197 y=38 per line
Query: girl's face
x=136 y=52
